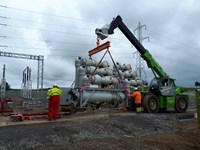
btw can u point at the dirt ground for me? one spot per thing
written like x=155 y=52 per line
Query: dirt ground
x=186 y=137
x=103 y=129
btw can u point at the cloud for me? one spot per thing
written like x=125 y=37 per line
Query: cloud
x=64 y=30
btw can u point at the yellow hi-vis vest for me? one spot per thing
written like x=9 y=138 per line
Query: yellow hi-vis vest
x=54 y=91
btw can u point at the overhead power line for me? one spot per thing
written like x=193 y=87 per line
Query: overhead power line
x=187 y=66
x=57 y=42
x=47 y=41
x=174 y=40
x=88 y=36
x=24 y=20
x=54 y=49
x=51 y=24
x=48 y=14
x=9 y=25
x=54 y=31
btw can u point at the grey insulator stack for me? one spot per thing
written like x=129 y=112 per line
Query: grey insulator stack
x=99 y=71
x=77 y=66
x=126 y=74
x=90 y=62
x=133 y=82
x=86 y=72
x=123 y=66
x=96 y=79
x=81 y=74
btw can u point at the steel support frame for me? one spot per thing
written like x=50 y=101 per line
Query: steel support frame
x=40 y=72
x=3 y=84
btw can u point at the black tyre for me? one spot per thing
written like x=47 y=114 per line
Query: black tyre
x=113 y=104
x=98 y=105
x=181 y=104
x=150 y=104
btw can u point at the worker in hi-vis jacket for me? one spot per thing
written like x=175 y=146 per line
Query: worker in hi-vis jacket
x=137 y=99
x=53 y=95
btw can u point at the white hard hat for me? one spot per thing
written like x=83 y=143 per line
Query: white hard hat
x=135 y=88
x=55 y=84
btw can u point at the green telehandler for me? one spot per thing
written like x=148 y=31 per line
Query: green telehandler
x=162 y=93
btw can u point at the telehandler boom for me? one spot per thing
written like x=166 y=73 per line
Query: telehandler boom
x=162 y=93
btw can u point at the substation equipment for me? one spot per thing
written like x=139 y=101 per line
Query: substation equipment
x=26 y=87
x=6 y=104
x=40 y=69
x=92 y=79
x=197 y=95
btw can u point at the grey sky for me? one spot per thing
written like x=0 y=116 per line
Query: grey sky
x=63 y=30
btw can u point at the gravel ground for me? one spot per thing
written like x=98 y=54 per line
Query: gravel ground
x=105 y=129
x=100 y=129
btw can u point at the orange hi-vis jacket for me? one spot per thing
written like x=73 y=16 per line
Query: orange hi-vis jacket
x=109 y=86
x=137 y=97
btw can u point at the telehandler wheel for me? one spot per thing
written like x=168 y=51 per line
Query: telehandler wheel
x=150 y=104
x=181 y=104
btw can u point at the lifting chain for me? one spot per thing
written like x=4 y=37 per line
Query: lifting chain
x=98 y=41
